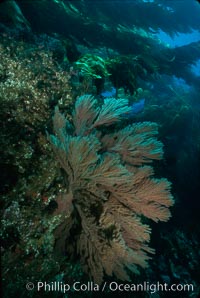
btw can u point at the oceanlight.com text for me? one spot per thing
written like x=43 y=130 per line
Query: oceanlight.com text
x=108 y=286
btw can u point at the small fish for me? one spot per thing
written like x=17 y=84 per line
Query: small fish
x=109 y=93
x=136 y=108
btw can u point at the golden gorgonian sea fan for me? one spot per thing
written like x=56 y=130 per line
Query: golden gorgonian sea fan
x=110 y=187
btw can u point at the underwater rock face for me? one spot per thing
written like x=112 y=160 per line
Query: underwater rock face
x=31 y=83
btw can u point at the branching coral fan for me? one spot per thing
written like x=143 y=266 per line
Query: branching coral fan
x=110 y=188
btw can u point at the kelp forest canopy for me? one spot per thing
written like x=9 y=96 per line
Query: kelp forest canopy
x=119 y=28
